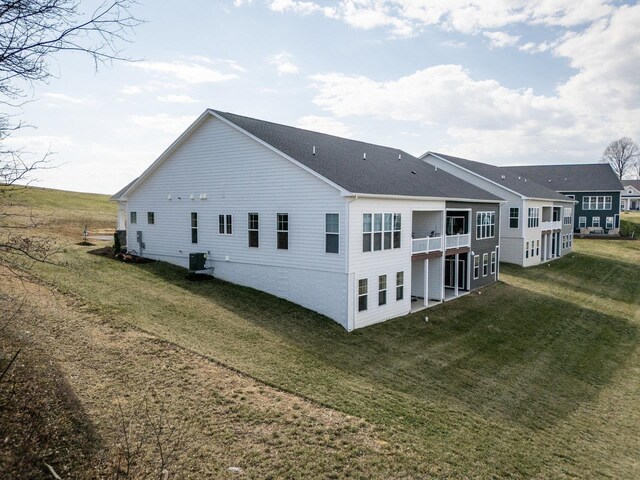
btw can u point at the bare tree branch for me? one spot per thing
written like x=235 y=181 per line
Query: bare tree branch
x=621 y=155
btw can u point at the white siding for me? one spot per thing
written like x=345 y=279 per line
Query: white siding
x=436 y=278
x=238 y=176
x=372 y=264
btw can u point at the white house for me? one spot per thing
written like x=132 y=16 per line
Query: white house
x=358 y=232
x=536 y=223
x=630 y=199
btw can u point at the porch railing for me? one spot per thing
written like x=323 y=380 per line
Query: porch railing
x=459 y=240
x=426 y=245
x=551 y=225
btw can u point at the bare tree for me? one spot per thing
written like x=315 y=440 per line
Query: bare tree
x=621 y=155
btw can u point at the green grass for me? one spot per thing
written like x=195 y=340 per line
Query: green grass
x=535 y=377
x=630 y=222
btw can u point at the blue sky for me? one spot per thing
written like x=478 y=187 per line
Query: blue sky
x=505 y=81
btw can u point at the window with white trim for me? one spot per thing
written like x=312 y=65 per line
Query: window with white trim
x=382 y=290
x=366 y=232
x=253 y=226
x=595 y=221
x=533 y=248
x=282 y=231
x=514 y=217
x=485 y=225
x=537 y=247
x=476 y=266
x=224 y=224
x=582 y=222
x=194 y=227
x=381 y=231
x=363 y=291
x=399 y=285
x=377 y=232
x=485 y=264
x=596 y=203
x=526 y=250
x=568 y=216
x=151 y=218
x=332 y=233
x=609 y=222
x=533 y=218
x=133 y=217
x=493 y=262
x=397 y=229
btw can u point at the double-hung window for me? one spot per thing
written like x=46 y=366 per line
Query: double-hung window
x=224 y=224
x=133 y=217
x=282 y=231
x=582 y=222
x=485 y=225
x=485 y=264
x=397 y=229
x=332 y=233
x=493 y=262
x=533 y=248
x=609 y=222
x=194 y=227
x=537 y=247
x=377 y=232
x=366 y=232
x=595 y=221
x=388 y=230
x=568 y=217
x=253 y=227
x=382 y=290
x=476 y=266
x=526 y=250
x=514 y=217
x=399 y=285
x=363 y=291
x=533 y=219
x=151 y=218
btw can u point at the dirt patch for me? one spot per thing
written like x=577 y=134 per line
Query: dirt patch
x=223 y=419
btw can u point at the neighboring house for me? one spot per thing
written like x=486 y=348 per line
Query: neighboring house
x=358 y=232
x=630 y=200
x=536 y=223
x=595 y=187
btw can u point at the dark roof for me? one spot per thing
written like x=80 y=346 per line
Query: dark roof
x=120 y=192
x=341 y=161
x=634 y=183
x=573 y=177
x=512 y=180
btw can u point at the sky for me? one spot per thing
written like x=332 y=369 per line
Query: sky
x=504 y=81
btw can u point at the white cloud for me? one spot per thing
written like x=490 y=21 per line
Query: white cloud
x=57 y=99
x=218 y=61
x=186 y=72
x=324 y=125
x=501 y=39
x=164 y=122
x=454 y=44
x=177 y=99
x=283 y=63
x=37 y=144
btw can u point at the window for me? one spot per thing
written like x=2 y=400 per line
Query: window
x=514 y=217
x=332 y=233
x=533 y=218
x=363 y=290
x=582 y=222
x=151 y=218
x=570 y=240
x=282 y=229
x=485 y=225
x=254 y=230
x=493 y=262
x=476 y=266
x=567 y=216
x=533 y=248
x=133 y=217
x=526 y=250
x=397 y=228
x=485 y=264
x=596 y=203
x=224 y=224
x=388 y=228
x=537 y=247
x=382 y=290
x=194 y=227
x=399 y=285
x=609 y=222
x=564 y=242
x=595 y=221
x=366 y=232
x=377 y=232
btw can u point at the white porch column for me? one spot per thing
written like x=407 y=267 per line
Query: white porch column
x=455 y=275
x=426 y=282
x=549 y=255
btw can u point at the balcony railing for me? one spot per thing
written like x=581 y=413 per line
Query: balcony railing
x=459 y=240
x=426 y=245
x=551 y=225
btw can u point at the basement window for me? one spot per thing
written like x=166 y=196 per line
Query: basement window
x=253 y=228
x=283 y=231
x=476 y=266
x=363 y=290
x=399 y=285
x=493 y=262
x=194 y=227
x=382 y=290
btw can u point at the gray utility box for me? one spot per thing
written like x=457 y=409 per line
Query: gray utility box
x=197 y=262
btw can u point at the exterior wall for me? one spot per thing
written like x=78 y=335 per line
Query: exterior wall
x=603 y=214
x=370 y=265
x=238 y=176
x=479 y=247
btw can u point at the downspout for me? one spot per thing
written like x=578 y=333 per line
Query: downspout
x=351 y=318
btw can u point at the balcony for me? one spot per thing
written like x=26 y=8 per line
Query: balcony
x=459 y=240
x=426 y=245
x=551 y=225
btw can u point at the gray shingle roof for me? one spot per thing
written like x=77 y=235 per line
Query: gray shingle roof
x=634 y=183
x=120 y=192
x=512 y=180
x=341 y=161
x=572 y=177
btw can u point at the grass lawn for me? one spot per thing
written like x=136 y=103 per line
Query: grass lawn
x=535 y=377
